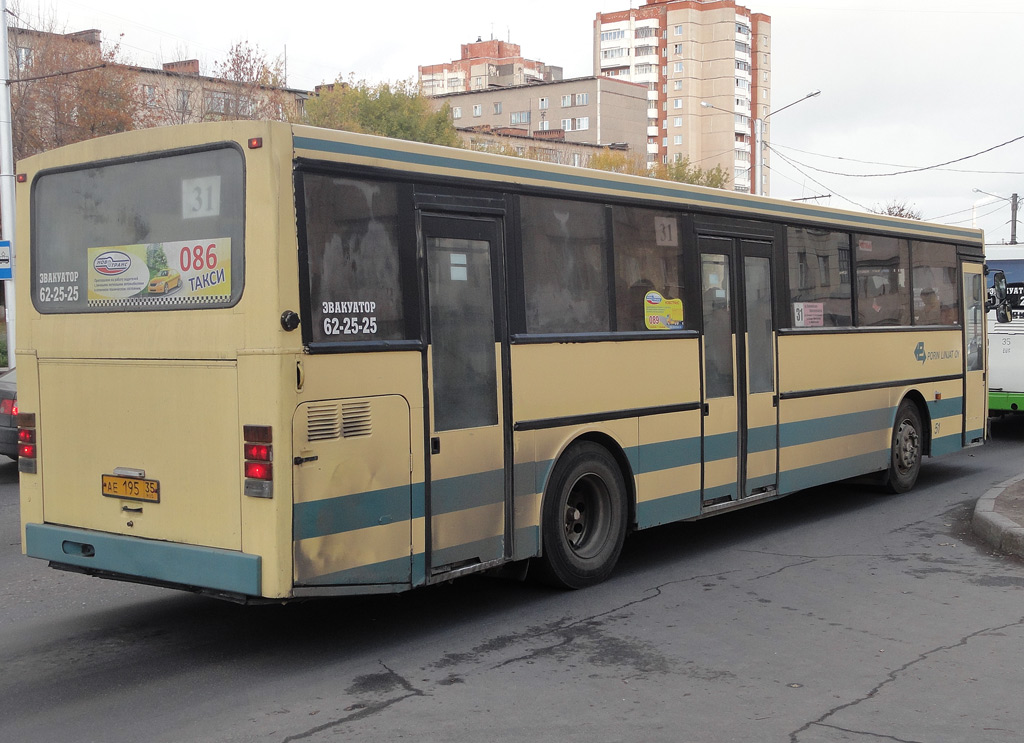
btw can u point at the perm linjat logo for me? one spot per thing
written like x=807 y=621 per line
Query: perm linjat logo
x=112 y=263
x=653 y=298
x=919 y=353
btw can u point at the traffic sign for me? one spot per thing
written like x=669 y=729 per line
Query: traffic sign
x=6 y=265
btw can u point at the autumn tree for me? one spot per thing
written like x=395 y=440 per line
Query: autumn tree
x=396 y=110
x=246 y=84
x=66 y=88
x=898 y=208
x=682 y=171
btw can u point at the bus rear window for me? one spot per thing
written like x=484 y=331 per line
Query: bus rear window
x=161 y=233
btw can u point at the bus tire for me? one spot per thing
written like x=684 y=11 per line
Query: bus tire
x=906 y=450
x=583 y=523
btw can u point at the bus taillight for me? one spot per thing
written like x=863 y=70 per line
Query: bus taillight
x=28 y=450
x=258 y=457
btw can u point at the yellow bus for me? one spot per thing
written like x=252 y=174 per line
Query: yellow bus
x=266 y=361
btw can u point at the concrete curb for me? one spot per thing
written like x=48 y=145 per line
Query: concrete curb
x=1003 y=533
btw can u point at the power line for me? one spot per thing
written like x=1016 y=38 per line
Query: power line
x=908 y=170
x=897 y=165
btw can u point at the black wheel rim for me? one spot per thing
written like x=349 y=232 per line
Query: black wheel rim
x=908 y=447
x=587 y=515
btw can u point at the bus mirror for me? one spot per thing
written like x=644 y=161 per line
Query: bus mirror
x=999 y=284
x=997 y=298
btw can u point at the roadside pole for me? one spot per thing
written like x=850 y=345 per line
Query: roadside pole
x=7 y=174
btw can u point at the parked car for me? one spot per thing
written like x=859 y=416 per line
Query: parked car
x=9 y=414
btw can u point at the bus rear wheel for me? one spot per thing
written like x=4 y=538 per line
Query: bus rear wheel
x=906 y=450
x=584 y=518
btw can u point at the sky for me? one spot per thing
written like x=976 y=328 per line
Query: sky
x=929 y=87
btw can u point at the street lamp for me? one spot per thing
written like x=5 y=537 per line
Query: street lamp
x=994 y=197
x=759 y=134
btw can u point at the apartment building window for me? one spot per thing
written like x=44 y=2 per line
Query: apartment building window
x=743 y=47
x=545 y=125
x=742 y=84
x=566 y=101
x=646 y=50
x=457 y=112
x=742 y=120
x=218 y=102
x=497 y=108
x=453 y=83
x=613 y=35
x=478 y=109
x=645 y=69
x=677 y=30
x=149 y=95
x=24 y=58
x=742 y=30
x=677 y=48
x=614 y=53
x=646 y=32
x=742 y=66
x=742 y=103
x=677 y=121
x=677 y=67
x=542 y=104
x=582 y=99
x=678 y=139
x=576 y=125
x=677 y=103
x=519 y=117
x=184 y=101
x=677 y=85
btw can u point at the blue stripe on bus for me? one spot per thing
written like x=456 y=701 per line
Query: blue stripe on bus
x=467 y=491
x=721 y=446
x=668 y=509
x=591 y=181
x=765 y=438
x=665 y=455
x=362 y=510
x=389 y=571
x=356 y=511
x=829 y=472
x=169 y=562
x=834 y=426
x=947 y=444
x=945 y=408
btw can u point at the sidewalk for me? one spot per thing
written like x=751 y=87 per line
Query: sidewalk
x=999 y=516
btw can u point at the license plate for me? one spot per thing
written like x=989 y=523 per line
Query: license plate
x=131 y=488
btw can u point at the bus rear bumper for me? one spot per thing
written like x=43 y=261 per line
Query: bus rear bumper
x=145 y=560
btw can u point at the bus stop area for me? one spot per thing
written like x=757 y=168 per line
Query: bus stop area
x=999 y=516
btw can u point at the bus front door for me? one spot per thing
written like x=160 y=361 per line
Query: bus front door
x=467 y=521
x=740 y=393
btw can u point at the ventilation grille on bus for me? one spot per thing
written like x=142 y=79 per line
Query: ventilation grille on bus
x=355 y=419
x=329 y=421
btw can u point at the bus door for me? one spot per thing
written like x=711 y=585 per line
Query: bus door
x=467 y=502
x=975 y=396
x=740 y=396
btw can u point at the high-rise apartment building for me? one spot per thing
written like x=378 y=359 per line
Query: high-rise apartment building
x=690 y=52
x=483 y=65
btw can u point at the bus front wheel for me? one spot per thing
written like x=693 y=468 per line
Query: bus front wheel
x=583 y=524
x=907 y=446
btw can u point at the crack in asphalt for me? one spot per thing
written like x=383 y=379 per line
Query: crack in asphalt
x=365 y=711
x=891 y=677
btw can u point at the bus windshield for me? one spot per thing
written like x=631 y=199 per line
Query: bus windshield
x=146 y=234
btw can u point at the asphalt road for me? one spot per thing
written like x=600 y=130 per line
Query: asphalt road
x=837 y=614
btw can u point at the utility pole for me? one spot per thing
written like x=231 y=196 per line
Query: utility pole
x=7 y=173
x=1013 y=219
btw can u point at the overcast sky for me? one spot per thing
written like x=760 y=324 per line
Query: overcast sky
x=905 y=84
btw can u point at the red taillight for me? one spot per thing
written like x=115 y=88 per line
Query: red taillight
x=8 y=407
x=259 y=470
x=258 y=454
x=27 y=449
